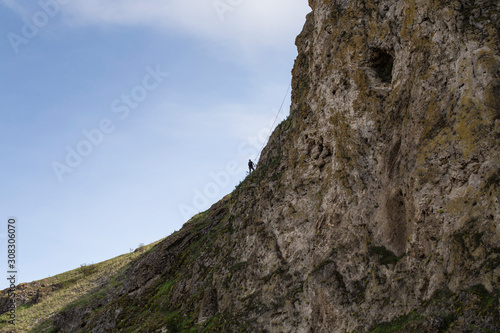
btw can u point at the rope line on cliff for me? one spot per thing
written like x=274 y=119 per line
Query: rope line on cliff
x=272 y=126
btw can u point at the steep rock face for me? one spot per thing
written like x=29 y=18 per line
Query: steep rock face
x=374 y=205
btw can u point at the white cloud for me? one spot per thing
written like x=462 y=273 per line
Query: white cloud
x=247 y=22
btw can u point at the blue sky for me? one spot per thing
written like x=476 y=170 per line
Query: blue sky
x=122 y=118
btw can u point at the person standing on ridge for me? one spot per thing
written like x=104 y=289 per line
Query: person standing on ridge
x=251 y=166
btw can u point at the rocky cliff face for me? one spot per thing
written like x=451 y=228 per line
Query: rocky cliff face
x=375 y=206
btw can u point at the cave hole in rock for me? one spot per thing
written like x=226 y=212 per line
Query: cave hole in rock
x=382 y=62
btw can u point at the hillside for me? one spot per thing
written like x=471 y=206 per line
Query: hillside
x=37 y=301
x=375 y=206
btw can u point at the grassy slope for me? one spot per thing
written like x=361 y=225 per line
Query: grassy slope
x=158 y=310
x=59 y=291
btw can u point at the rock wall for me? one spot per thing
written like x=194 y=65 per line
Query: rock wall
x=375 y=204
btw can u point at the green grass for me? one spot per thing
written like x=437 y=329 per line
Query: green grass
x=61 y=290
x=403 y=324
x=156 y=309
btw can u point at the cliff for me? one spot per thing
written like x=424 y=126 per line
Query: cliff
x=375 y=206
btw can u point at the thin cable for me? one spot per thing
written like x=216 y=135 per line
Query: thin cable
x=275 y=119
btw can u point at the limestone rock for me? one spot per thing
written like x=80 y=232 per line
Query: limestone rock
x=375 y=204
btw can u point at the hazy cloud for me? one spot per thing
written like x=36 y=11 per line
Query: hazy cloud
x=241 y=21
x=14 y=5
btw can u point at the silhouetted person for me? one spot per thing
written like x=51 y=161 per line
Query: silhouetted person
x=251 y=166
